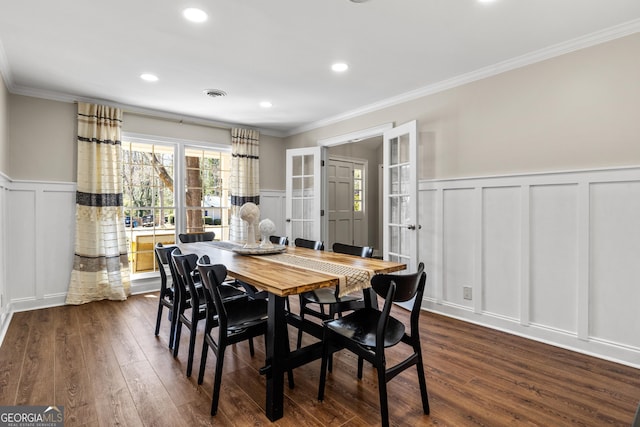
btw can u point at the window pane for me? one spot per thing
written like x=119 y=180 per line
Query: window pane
x=207 y=188
x=148 y=199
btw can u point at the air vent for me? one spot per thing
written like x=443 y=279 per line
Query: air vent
x=215 y=93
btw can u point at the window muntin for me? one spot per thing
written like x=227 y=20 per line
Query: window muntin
x=358 y=190
x=154 y=177
x=207 y=197
x=148 y=200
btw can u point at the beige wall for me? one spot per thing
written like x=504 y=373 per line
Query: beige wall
x=43 y=140
x=4 y=127
x=576 y=111
x=42 y=137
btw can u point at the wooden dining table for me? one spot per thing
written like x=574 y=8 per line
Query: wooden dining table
x=282 y=280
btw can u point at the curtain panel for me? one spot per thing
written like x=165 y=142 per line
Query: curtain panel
x=101 y=266
x=245 y=178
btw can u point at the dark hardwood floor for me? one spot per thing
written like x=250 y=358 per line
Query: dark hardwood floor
x=102 y=362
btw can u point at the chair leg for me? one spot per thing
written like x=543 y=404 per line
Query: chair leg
x=323 y=366
x=172 y=332
x=423 y=386
x=159 y=318
x=217 y=379
x=176 y=340
x=360 y=364
x=192 y=346
x=290 y=371
x=203 y=360
x=382 y=387
x=251 y=349
x=302 y=308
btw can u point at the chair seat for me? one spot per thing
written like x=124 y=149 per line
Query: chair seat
x=360 y=326
x=242 y=314
x=327 y=296
x=228 y=292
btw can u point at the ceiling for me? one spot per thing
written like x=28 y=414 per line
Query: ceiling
x=282 y=50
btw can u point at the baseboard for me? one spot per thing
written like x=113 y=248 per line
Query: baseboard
x=613 y=352
x=5 y=320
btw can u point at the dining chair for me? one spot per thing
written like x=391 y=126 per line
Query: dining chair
x=167 y=297
x=191 y=298
x=279 y=240
x=206 y=236
x=329 y=296
x=367 y=332
x=236 y=320
x=309 y=244
x=636 y=418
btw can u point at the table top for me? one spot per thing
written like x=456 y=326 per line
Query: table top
x=281 y=279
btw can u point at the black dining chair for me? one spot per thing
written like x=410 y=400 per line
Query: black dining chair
x=309 y=244
x=206 y=236
x=329 y=296
x=167 y=297
x=236 y=320
x=367 y=332
x=191 y=298
x=279 y=240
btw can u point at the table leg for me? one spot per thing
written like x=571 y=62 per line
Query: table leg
x=276 y=356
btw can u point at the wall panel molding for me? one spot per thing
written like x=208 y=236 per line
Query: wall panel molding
x=565 y=275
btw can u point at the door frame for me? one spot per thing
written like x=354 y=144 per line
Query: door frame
x=347 y=138
x=365 y=167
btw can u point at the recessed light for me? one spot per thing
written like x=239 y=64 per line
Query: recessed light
x=340 y=67
x=486 y=1
x=194 y=15
x=266 y=104
x=148 y=77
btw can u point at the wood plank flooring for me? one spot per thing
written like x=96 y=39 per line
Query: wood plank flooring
x=102 y=362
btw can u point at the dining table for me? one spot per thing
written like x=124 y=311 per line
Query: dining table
x=283 y=272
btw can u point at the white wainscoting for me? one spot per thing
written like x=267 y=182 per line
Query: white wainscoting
x=39 y=243
x=39 y=226
x=5 y=312
x=554 y=257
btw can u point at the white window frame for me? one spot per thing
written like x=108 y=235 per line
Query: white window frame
x=179 y=170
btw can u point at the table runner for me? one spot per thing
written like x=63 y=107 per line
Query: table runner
x=351 y=278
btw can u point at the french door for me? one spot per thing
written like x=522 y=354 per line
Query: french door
x=400 y=195
x=304 y=193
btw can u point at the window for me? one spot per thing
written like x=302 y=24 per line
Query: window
x=207 y=191
x=158 y=205
x=358 y=189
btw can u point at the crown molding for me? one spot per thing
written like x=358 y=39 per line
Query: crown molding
x=132 y=109
x=540 y=55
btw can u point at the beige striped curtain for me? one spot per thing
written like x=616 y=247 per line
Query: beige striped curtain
x=245 y=178
x=101 y=266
